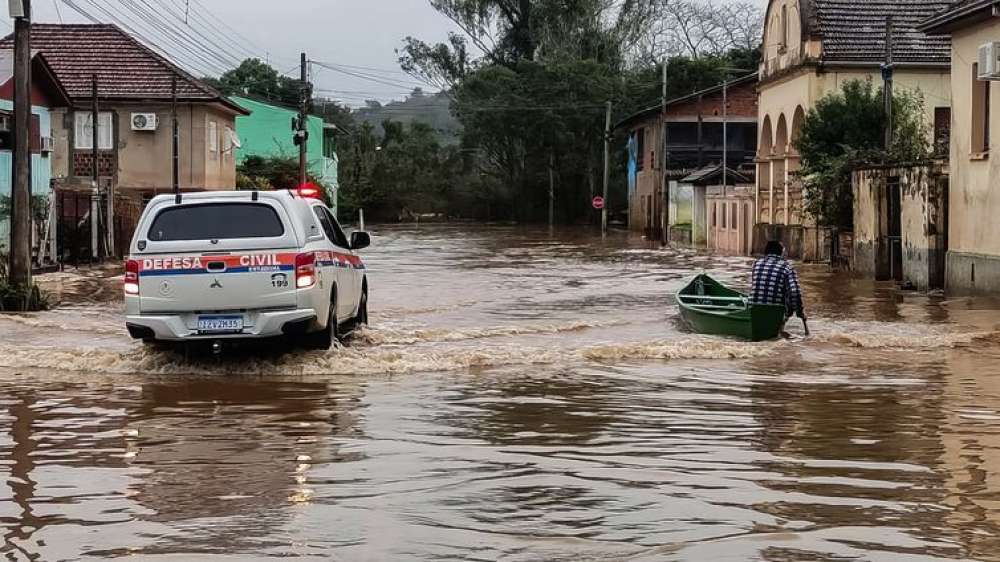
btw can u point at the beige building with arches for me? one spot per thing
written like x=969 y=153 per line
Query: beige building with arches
x=810 y=48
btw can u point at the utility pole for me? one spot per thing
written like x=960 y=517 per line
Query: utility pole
x=725 y=133
x=175 y=155
x=887 y=69
x=607 y=167
x=96 y=230
x=20 y=224
x=303 y=133
x=664 y=159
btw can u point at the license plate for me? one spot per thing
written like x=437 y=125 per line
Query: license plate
x=220 y=324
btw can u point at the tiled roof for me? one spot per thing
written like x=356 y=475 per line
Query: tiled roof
x=125 y=68
x=956 y=13
x=854 y=30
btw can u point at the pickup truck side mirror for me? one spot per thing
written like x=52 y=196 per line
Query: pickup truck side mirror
x=360 y=240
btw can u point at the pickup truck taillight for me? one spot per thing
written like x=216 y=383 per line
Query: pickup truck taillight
x=305 y=270
x=132 y=277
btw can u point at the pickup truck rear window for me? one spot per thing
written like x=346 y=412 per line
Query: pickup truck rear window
x=216 y=221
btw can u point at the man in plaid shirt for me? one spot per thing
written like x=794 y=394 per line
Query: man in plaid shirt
x=774 y=281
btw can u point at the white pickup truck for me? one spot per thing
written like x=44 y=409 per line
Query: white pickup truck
x=215 y=266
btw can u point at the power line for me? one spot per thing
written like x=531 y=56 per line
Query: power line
x=221 y=50
x=131 y=26
x=364 y=76
x=185 y=10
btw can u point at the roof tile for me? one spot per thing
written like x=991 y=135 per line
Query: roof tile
x=125 y=68
x=854 y=30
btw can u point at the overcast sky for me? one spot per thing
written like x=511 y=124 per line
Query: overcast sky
x=360 y=33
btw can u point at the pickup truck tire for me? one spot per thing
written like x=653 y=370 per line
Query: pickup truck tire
x=323 y=339
x=362 y=317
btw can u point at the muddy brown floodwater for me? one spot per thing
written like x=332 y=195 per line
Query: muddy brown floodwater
x=521 y=396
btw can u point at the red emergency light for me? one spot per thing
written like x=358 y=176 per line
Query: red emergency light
x=310 y=190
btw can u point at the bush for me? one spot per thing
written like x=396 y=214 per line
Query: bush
x=21 y=298
x=18 y=298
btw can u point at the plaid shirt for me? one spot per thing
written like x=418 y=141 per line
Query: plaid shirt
x=775 y=282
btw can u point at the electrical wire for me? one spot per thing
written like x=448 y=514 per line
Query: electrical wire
x=130 y=25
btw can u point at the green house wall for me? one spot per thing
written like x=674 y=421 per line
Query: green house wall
x=267 y=132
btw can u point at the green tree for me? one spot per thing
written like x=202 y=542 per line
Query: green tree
x=845 y=130
x=257 y=78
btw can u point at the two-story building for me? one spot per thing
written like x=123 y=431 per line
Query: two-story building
x=135 y=95
x=810 y=48
x=668 y=147
x=973 y=255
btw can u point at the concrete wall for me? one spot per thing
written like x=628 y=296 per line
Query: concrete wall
x=681 y=203
x=699 y=217
x=144 y=157
x=974 y=202
x=923 y=191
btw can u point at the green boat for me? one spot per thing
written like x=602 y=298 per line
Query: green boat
x=710 y=307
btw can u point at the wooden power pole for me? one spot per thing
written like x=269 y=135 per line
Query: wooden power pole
x=607 y=167
x=303 y=132
x=175 y=172
x=664 y=182
x=96 y=224
x=20 y=222
x=887 y=82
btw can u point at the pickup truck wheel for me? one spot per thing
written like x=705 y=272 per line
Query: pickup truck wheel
x=323 y=339
x=362 y=318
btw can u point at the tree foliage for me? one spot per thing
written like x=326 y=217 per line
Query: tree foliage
x=257 y=78
x=536 y=98
x=845 y=130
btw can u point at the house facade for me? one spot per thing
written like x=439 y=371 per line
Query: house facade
x=47 y=95
x=810 y=49
x=267 y=132
x=973 y=253
x=135 y=103
x=665 y=148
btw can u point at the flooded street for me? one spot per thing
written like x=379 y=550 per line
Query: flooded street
x=520 y=396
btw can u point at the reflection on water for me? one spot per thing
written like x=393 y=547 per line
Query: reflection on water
x=520 y=397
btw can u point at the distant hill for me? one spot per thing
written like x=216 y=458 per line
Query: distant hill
x=432 y=109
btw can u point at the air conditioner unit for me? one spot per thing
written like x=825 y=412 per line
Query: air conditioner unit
x=144 y=122
x=989 y=61
x=47 y=144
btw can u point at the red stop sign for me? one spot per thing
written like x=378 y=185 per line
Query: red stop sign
x=598 y=202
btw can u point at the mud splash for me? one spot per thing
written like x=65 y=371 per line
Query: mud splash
x=366 y=361
x=384 y=335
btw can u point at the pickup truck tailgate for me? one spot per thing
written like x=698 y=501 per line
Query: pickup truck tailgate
x=196 y=282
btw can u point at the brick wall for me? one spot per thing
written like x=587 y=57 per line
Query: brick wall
x=83 y=164
x=742 y=101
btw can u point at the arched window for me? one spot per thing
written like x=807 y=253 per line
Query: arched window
x=784 y=26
